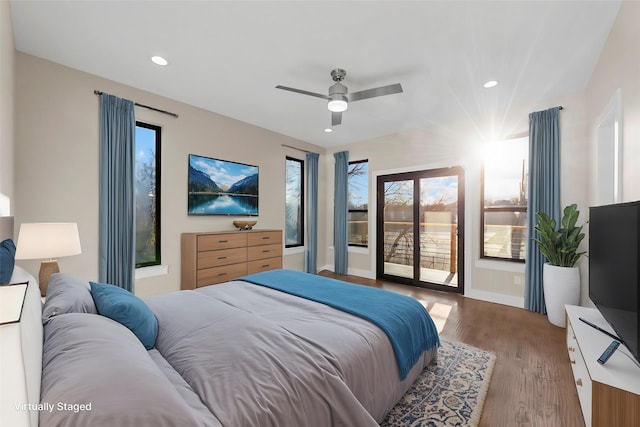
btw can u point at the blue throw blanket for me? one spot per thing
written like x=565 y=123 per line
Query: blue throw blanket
x=405 y=321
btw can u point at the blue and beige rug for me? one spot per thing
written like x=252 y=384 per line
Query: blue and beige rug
x=450 y=392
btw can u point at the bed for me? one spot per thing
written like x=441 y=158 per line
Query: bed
x=241 y=353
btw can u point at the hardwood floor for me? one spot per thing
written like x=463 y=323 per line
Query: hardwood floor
x=532 y=383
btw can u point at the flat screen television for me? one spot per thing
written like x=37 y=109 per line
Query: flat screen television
x=614 y=268
x=221 y=187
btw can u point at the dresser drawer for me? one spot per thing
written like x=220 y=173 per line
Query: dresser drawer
x=264 y=237
x=211 y=276
x=212 y=242
x=264 y=251
x=264 y=264
x=210 y=259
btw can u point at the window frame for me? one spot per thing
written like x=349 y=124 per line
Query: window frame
x=359 y=245
x=302 y=204
x=484 y=209
x=158 y=170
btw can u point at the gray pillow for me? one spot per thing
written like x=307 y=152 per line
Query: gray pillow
x=67 y=294
x=101 y=371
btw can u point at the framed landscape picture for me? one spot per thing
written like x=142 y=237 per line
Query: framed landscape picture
x=221 y=187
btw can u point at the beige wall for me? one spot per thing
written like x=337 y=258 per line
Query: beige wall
x=56 y=167
x=455 y=143
x=55 y=170
x=459 y=144
x=618 y=68
x=7 y=60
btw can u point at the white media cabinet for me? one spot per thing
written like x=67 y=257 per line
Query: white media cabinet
x=610 y=393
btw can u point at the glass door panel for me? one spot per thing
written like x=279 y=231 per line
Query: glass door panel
x=398 y=242
x=439 y=230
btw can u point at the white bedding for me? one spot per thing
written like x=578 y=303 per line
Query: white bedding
x=21 y=359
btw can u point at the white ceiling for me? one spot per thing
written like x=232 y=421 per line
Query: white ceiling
x=228 y=56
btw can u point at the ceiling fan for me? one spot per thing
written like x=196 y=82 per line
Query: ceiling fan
x=339 y=97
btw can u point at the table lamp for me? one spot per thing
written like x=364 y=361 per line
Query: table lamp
x=47 y=240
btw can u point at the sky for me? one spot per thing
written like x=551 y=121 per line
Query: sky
x=223 y=173
x=145 y=144
x=359 y=187
x=503 y=168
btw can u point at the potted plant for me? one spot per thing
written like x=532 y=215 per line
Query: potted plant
x=561 y=276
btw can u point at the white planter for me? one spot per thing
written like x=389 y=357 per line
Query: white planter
x=561 y=286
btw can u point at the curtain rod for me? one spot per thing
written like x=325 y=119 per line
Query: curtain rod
x=295 y=148
x=98 y=92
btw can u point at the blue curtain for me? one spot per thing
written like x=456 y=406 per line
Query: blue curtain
x=310 y=260
x=116 y=247
x=340 y=230
x=544 y=196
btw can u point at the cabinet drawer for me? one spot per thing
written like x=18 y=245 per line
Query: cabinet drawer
x=210 y=259
x=212 y=242
x=264 y=251
x=264 y=237
x=210 y=276
x=264 y=264
x=580 y=374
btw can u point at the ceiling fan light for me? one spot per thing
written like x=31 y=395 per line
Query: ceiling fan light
x=337 y=105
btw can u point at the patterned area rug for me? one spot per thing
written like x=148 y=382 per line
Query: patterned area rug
x=450 y=392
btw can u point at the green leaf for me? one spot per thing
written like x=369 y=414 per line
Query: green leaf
x=560 y=246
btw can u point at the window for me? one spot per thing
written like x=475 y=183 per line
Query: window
x=504 y=200
x=294 y=203
x=147 y=194
x=358 y=203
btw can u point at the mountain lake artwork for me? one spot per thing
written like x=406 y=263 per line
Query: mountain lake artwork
x=220 y=187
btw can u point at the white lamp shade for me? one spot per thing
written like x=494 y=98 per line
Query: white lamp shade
x=48 y=240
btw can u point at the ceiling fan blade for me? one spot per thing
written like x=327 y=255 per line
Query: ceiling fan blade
x=304 y=92
x=336 y=118
x=372 y=93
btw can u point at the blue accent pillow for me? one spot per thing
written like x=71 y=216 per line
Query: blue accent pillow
x=124 y=307
x=7 y=260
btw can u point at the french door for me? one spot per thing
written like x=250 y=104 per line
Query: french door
x=420 y=228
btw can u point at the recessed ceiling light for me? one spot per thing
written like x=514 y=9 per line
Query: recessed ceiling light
x=328 y=130
x=159 y=60
x=490 y=83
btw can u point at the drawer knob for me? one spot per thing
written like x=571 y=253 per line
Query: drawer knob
x=266 y=265
x=265 y=251
x=573 y=362
x=579 y=382
x=222 y=257
x=266 y=238
x=222 y=274
x=222 y=241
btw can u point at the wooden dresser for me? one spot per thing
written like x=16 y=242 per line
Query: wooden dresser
x=215 y=257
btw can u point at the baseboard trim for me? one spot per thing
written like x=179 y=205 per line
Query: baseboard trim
x=497 y=298
x=503 y=299
x=367 y=274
